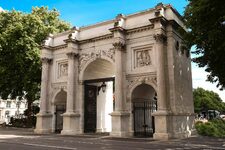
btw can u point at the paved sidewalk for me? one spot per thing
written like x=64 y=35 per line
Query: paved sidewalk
x=25 y=139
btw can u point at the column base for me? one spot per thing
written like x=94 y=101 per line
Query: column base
x=170 y=125
x=163 y=125
x=120 y=123
x=183 y=125
x=44 y=123
x=71 y=124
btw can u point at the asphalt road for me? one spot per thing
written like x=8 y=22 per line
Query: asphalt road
x=15 y=139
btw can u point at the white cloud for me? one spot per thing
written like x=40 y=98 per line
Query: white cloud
x=1 y=9
x=199 y=80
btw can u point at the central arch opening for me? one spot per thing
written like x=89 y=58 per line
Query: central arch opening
x=98 y=96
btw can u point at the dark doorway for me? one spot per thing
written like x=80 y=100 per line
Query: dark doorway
x=60 y=109
x=90 y=108
x=143 y=119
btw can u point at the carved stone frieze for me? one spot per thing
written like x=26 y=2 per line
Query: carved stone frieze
x=109 y=53
x=145 y=78
x=85 y=57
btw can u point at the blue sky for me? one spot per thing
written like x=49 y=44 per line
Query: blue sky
x=85 y=12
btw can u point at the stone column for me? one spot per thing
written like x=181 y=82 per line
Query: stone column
x=120 y=117
x=44 y=84
x=43 y=124
x=119 y=101
x=72 y=82
x=71 y=117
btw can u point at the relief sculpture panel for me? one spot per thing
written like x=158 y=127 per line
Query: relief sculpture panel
x=62 y=69
x=142 y=57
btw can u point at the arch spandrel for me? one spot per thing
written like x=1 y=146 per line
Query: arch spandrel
x=134 y=82
x=56 y=94
x=86 y=59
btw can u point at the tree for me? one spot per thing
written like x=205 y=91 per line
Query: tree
x=207 y=100
x=205 y=22
x=21 y=35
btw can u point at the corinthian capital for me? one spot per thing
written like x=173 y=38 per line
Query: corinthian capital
x=72 y=55
x=119 y=46
x=160 y=38
x=46 y=60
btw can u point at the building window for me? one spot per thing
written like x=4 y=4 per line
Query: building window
x=18 y=105
x=8 y=104
x=7 y=114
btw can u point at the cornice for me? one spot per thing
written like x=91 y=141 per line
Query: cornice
x=55 y=47
x=99 y=38
x=140 y=29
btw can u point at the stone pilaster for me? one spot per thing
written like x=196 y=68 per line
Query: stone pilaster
x=44 y=117
x=163 y=114
x=120 y=117
x=71 y=117
x=161 y=80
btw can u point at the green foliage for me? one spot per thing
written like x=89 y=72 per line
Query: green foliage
x=215 y=128
x=205 y=21
x=23 y=122
x=21 y=35
x=207 y=100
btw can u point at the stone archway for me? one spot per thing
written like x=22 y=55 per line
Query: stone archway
x=98 y=100
x=60 y=108
x=144 y=100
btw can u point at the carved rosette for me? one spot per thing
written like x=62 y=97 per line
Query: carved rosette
x=119 y=46
x=160 y=38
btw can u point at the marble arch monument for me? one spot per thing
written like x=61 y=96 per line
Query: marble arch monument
x=107 y=73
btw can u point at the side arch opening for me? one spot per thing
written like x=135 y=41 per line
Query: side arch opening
x=60 y=108
x=144 y=99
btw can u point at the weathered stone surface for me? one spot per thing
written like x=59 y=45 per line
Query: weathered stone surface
x=137 y=49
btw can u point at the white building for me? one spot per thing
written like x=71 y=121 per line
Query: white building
x=11 y=108
x=128 y=76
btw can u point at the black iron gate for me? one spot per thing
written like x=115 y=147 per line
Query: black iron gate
x=143 y=120
x=90 y=114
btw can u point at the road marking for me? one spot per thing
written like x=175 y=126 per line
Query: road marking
x=57 y=147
